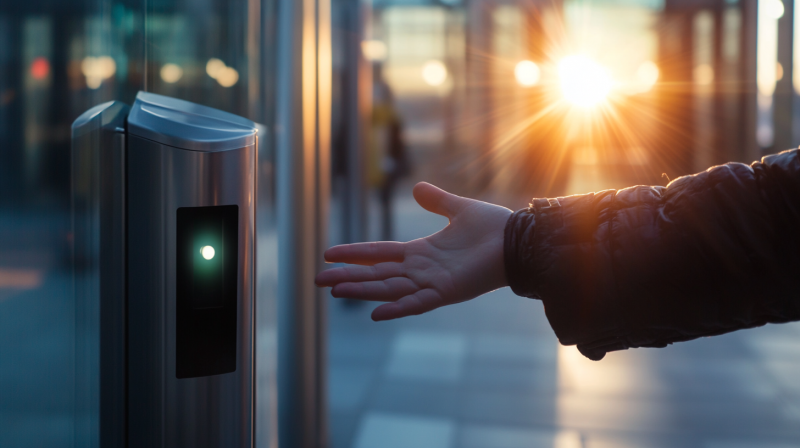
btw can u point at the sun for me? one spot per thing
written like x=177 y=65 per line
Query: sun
x=584 y=82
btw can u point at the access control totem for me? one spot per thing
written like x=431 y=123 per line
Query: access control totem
x=176 y=185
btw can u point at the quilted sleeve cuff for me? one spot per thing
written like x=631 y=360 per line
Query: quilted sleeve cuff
x=518 y=251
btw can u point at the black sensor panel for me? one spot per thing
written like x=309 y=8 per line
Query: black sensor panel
x=207 y=281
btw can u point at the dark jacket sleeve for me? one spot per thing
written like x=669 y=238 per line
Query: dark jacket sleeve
x=648 y=266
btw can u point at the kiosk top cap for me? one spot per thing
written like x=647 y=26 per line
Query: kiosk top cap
x=186 y=125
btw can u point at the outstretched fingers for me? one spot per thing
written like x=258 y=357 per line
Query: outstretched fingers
x=381 y=291
x=367 y=254
x=355 y=273
x=420 y=302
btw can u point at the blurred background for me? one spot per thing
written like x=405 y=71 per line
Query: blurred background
x=509 y=100
x=498 y=100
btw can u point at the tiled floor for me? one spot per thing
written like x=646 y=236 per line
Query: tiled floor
x=489 y=373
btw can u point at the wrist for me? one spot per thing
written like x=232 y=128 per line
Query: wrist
x=518 y=239
x=499 y=278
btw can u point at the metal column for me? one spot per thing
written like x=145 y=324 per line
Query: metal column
x=302 y=140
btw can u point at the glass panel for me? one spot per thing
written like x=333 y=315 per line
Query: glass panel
x=197 y=51
x=58 y=59
x=55 y=62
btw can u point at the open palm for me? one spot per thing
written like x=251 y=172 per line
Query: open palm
x=458 y=263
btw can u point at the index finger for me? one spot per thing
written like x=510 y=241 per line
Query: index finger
x=366 y=253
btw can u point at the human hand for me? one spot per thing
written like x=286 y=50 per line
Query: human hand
x=460 y=262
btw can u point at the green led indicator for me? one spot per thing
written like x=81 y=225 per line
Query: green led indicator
x=207 y=252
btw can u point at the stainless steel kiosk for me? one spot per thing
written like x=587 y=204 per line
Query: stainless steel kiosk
x=176 y=185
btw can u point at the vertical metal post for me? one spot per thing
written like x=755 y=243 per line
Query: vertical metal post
x=675 y=61
x=718 y=63
x=324 y=109
x=784 y=91
x=479 y=39
x=749 y=149
x=302 y=143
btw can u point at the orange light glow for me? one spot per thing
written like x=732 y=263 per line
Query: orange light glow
x=225 y=76
x=214 y=67
x=703 y=74
x=171 y=73
x=527 y=73
x=434 y=73
x=20 y=278
x=646 y=76
x=97 y=69
x=374 y=50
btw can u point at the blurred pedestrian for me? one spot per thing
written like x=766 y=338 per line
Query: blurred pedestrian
x=388 y=161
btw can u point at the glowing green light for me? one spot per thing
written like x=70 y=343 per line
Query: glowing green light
x=207 y=252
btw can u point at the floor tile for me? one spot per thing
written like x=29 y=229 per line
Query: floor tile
x=508 y=408
x=791 y=411
x=427 y=356
x=718 y=378
x=624 y=374
x=342 y=426
x=348 y=385
x=748 y=444
x=416 y=397
x=593 y=440
x=358 y=346
x=729 y=419
x=512 y=378
x=482 y=436
x=786 y=373
x=610 y=413
x=514 y=348
x=775 y=346
x=379 y=430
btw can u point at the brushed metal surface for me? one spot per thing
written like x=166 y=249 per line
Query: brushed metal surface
x=213 y=411
x=182 y=124
x=98 y=201
x=112 y=293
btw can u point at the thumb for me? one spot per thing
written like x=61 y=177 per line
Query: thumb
x=436 y=200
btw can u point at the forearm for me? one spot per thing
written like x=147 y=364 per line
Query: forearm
x=649 y=266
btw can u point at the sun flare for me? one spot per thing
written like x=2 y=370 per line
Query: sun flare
x=584 y=82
